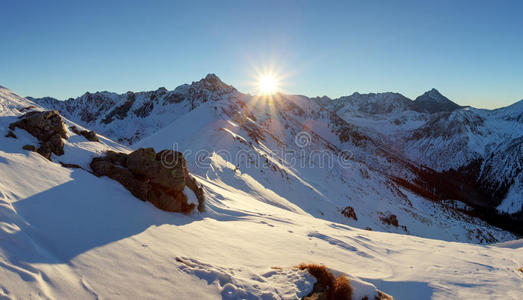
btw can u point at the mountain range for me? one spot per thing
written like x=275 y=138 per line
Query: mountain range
x=453 y=152
x=414 y=198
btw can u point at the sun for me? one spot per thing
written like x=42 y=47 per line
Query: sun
x=268 y=84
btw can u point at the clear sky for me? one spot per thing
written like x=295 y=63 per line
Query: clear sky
x=471 y=51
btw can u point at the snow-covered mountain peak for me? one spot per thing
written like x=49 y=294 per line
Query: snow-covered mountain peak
x=372 y=103
x=112 y=114
x=433 y=92
x=433 y=101
x=431 y=131
x=213 y=83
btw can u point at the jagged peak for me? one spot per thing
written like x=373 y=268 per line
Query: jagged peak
x=213 y=83
x=433 y=101
x=434 y=94
x=212 y=77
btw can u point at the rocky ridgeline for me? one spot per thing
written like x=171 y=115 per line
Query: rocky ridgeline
x=159 y=178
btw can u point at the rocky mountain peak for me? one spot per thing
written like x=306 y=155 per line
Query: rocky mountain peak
x=212 y=83
x=433 y=101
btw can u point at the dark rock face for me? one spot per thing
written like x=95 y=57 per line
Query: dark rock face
x=24 y=109
x=70 y=166
x=48 y=127
x=29 y=148
x=433 y=102
x=159 y=178
x=349 y=213
x=121 y=111
x=11 y=134
x=87 y=134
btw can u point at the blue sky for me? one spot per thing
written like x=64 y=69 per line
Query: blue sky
x=472 y=51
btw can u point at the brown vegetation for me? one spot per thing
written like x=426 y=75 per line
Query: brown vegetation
x=327 y=287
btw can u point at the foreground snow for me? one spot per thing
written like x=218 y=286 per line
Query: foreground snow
x=78 y=236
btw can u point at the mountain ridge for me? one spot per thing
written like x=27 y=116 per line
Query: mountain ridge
x=272 y=203
x=373 y=123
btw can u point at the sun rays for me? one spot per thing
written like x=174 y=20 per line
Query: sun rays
x=268 y=84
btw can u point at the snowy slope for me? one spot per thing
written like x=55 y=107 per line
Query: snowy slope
x=266 y=158
x=65 y=233
x=435 y=132
x=387 y=133
x=129 y=117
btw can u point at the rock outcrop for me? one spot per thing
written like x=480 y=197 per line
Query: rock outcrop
x=87 y=134
x=159 y=178
x=29 y=148
x=48 y=127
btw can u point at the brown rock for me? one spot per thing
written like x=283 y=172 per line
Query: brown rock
x=349 y=213
x=159 y=178
x=42 y=125
x=48 y=127
x=389 y=219
x=45 y=150
x=29 y=148
x=88 y=135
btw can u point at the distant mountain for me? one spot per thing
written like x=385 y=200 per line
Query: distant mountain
x=385 y=103
x=112 y=114
x=372 y=103
x=386 y=132
x=433 y=101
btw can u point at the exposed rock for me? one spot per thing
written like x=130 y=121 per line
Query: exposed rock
x=29 y=148
x=349 y=213
x=433 y=102
x=70 y=166
x=48 y=127
x=389 y=219
x=159 y=178
x=329 y=287
x=146 y=108
x=120 y=112
x=197 y=190
x=11 y=134
x=24 y=109
x=87 y=134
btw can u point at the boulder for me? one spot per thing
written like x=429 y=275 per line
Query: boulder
x=42 y=124
x=48 y=127
x=159 y=178
x=87 y=134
